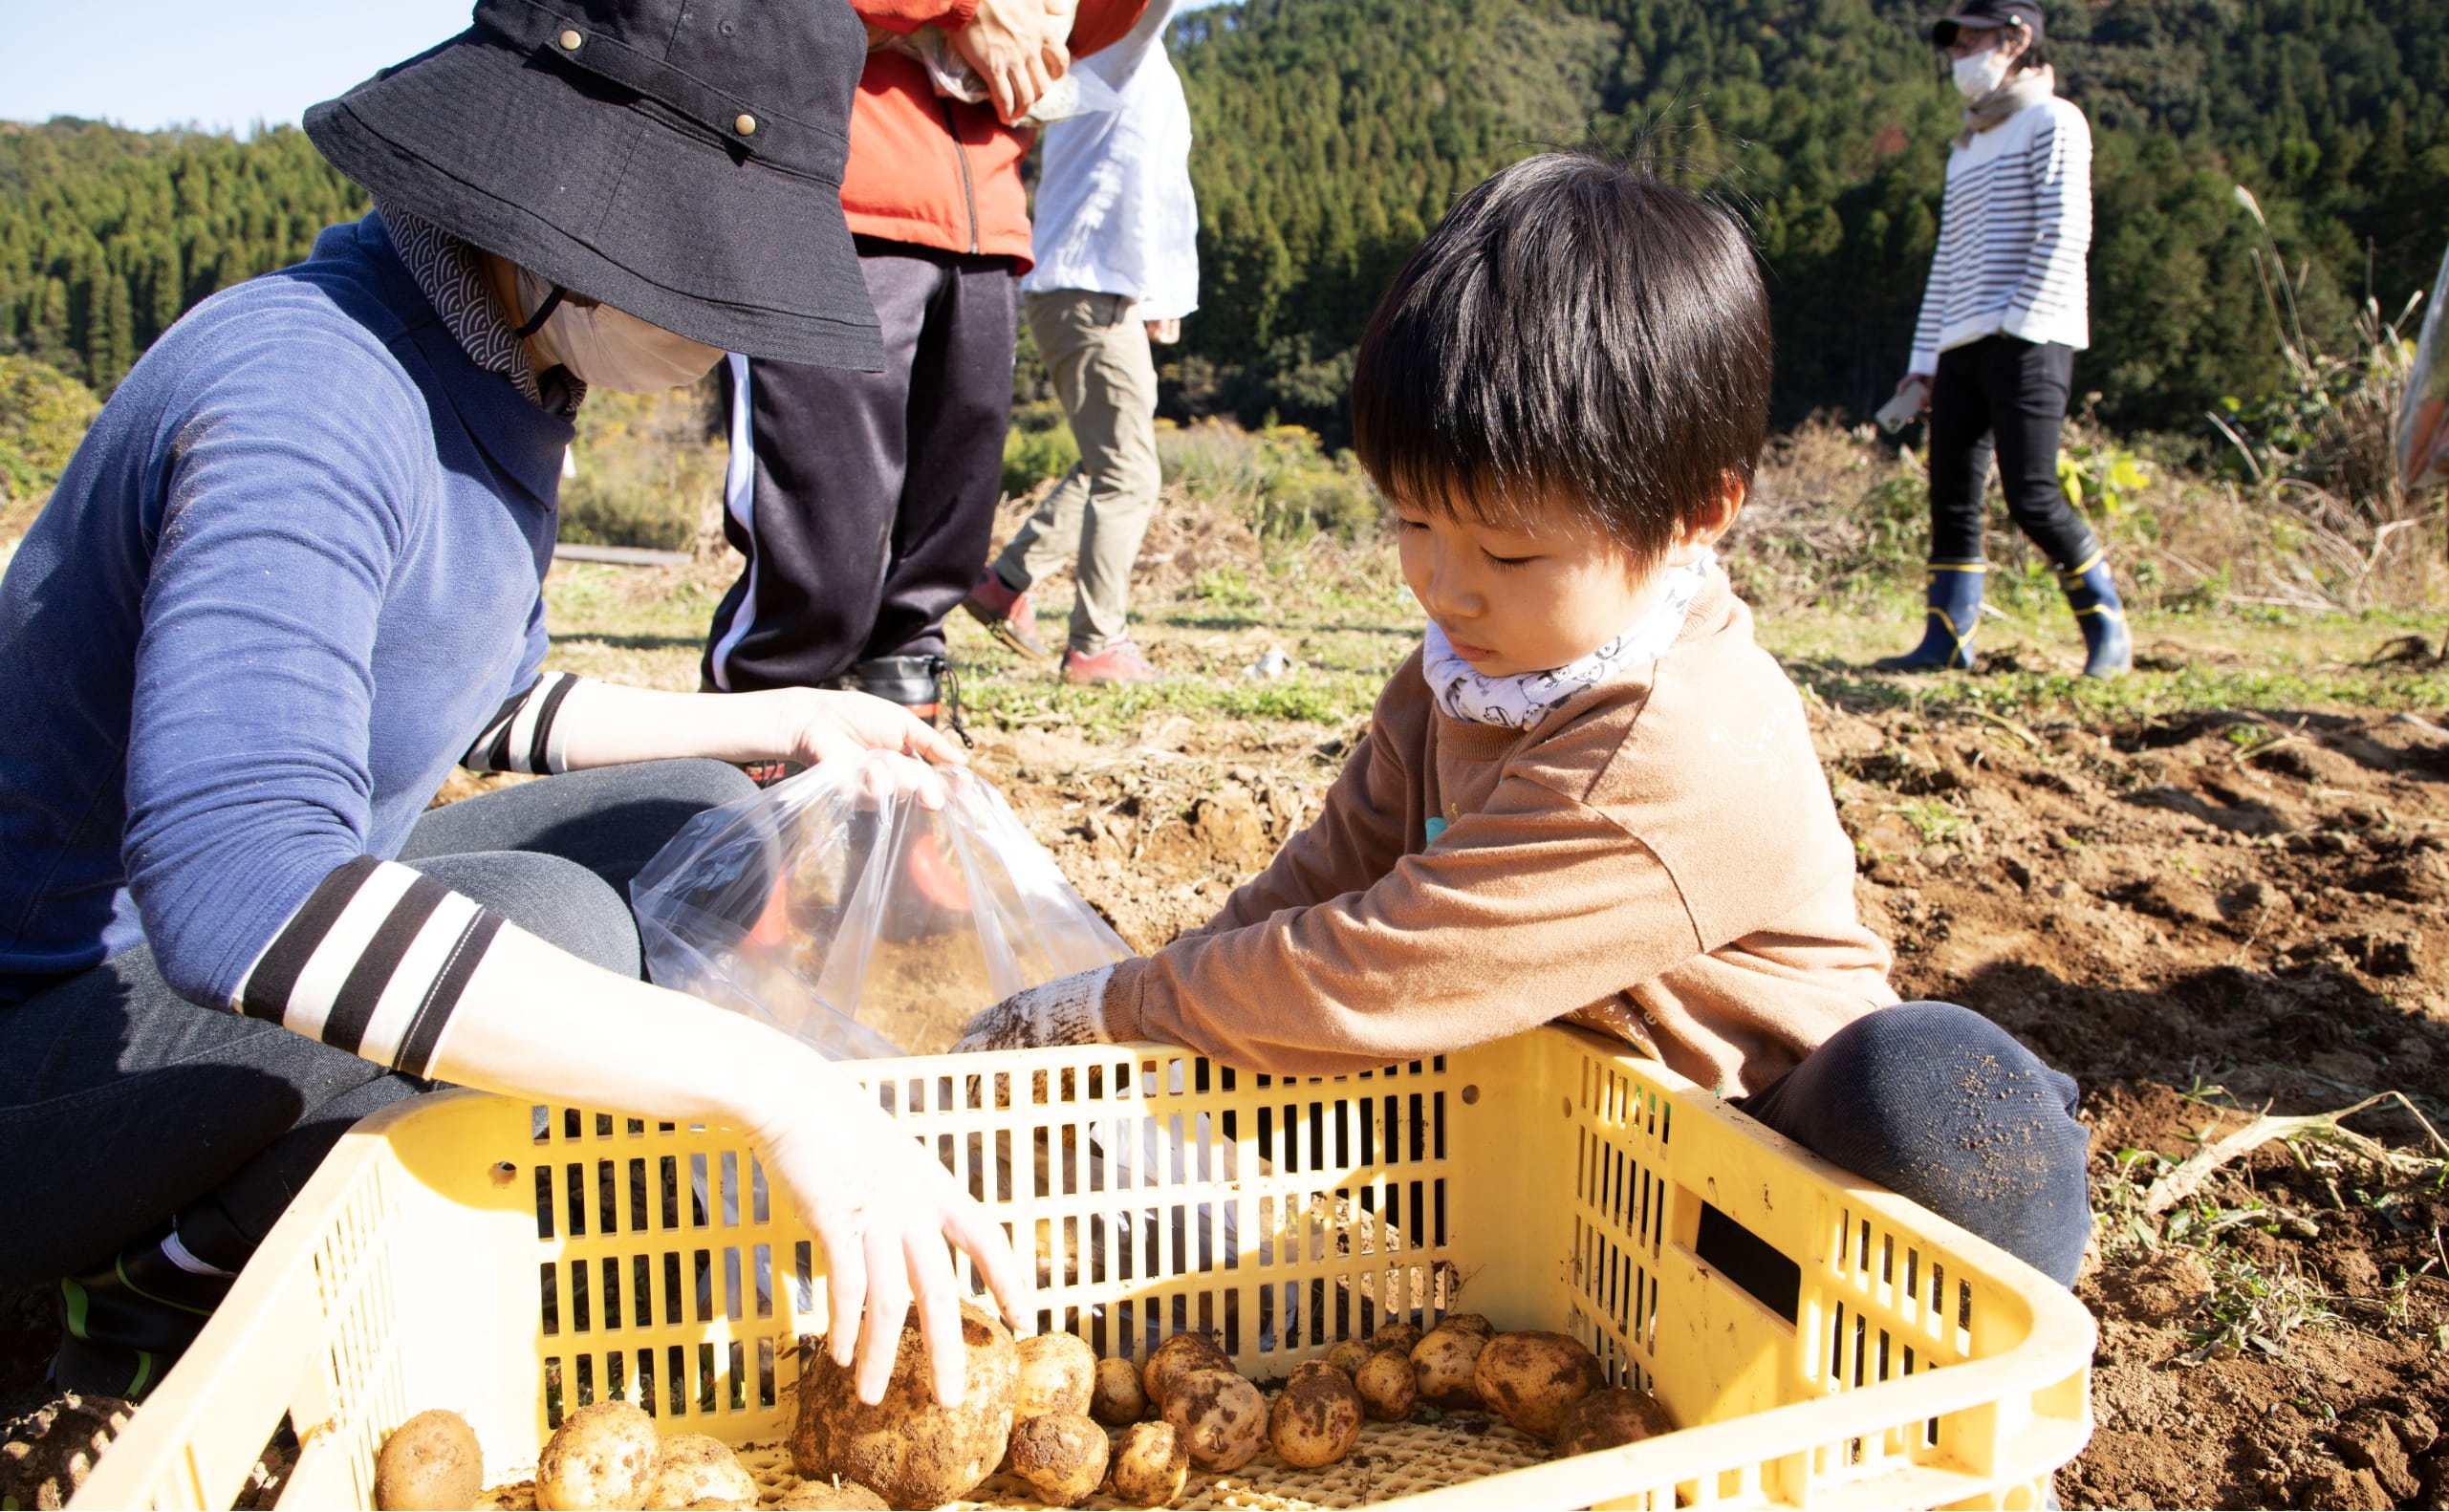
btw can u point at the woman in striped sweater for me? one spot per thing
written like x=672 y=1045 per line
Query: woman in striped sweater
x=2002 y=317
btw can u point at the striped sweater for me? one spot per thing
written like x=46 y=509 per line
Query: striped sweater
x=292 y=576
x=2012 y=235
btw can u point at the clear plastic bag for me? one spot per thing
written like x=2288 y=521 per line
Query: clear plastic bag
x=871 y=907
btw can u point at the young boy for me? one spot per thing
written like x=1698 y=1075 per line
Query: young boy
x=1589 y=794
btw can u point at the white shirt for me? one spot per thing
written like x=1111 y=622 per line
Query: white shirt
x=1114 y=214
x=2013 y=232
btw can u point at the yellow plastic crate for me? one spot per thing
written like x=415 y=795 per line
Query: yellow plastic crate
x=507 y=1262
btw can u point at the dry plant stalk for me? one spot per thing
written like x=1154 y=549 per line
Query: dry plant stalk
x=2187 y=1177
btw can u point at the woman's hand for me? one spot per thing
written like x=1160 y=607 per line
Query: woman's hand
x=884 y=1211
x=817 y=724
x=603 y=724
x=1912 y=378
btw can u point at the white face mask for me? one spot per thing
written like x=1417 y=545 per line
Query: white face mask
x=611 y=348
x=1982 y=73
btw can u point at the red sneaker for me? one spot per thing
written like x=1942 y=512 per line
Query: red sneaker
x=1008 y=614
x=1119 y=661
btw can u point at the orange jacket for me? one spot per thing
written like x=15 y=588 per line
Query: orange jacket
x=934 y=171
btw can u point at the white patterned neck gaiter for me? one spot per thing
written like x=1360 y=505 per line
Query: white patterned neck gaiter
x=1521 y=699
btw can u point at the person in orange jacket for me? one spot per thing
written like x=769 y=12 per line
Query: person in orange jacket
x=864 y=502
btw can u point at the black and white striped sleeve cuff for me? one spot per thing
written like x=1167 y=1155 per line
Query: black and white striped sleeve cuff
x=373 y=964
x=525 y=733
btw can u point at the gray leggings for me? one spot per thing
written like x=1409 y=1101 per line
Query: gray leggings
x=123 y=1104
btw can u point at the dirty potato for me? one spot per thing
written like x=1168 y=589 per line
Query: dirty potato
x=1221 y=1419
x=1351 y=1355
x=830 y=1496
x=1177 y=1357
x=1118 y=1398
x=601 y=1456
x=430 y=1461
x=1443 y=1363
x=1316 y=1417
x=1469 y=1322
x=907 y=1448
x=1609 y=1417
x=1387 y=1390
x=1061 y=1455
x=697 y=1467
x=1533 y=1379
x=1150 y=1466
x=1395 y=1336
x=1058 y=1374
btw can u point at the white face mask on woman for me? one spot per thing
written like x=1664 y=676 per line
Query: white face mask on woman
x=611 y=348
x=1981 y=72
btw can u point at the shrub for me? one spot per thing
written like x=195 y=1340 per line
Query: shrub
x=1280 y=479
x=644 y=472
x=43 y=415
x=1038 y=446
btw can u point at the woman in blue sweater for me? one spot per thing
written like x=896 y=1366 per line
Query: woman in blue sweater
x=294 y=574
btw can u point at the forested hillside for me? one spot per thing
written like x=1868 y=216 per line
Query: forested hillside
x=107 y=235
x=1330 y=131
x=1333 y=132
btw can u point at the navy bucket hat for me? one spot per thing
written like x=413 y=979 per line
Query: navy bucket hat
x=677 y=160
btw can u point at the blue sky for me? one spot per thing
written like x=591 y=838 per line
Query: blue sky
x=222 y=64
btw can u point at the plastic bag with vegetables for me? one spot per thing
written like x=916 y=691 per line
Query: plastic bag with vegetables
x=869 y=907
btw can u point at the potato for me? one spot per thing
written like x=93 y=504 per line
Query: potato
x=1177 y=1357
x=1395 y=1336
x=697 y=1467
x=1534 y=1379
x=1441 y=1365
x=1150 y=1466
x=430 y=1461
x=1387 y=1390
x=1061 y=1455
x=831 y=1496
x=908 y=1450
x=1118 y=1397
x=600 y=1457
x=1058 y=1374
x=1316 y=1417
x=1351 y=1355
x=1469 y=1322
x=1606 y=1419
x=1221 y=1419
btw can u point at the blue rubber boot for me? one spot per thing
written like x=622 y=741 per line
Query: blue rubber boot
x=2108 y=646
x=1955 y=598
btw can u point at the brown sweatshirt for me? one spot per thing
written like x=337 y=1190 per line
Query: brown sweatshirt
x=1659 y=857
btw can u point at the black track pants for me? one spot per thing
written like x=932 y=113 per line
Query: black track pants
x=864 y=502
x=2007 y=394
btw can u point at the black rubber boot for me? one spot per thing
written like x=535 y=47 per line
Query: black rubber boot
x=926 y=685
x=129 y=1321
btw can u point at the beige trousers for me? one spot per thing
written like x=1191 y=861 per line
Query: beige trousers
x=1097 y=352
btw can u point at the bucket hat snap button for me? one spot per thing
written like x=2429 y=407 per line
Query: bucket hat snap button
x=569 y=41
x=745 y=125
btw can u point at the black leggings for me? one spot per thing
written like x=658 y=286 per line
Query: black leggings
x=2010 y=395
x=123 y=1104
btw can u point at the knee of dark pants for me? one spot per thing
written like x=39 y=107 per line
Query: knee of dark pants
x=1931 y=1046
x=556 y=900
x=700 y=781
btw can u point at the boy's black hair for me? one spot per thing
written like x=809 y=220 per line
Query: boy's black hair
x=1574 y=333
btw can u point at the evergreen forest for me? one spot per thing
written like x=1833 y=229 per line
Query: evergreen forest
x=1332 y=132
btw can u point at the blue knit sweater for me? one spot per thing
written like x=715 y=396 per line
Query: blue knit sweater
x=291 y=575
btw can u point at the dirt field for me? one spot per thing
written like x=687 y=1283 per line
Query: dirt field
x=2216 y=889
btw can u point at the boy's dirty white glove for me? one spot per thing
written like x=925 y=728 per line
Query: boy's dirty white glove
x=1069 y=1010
